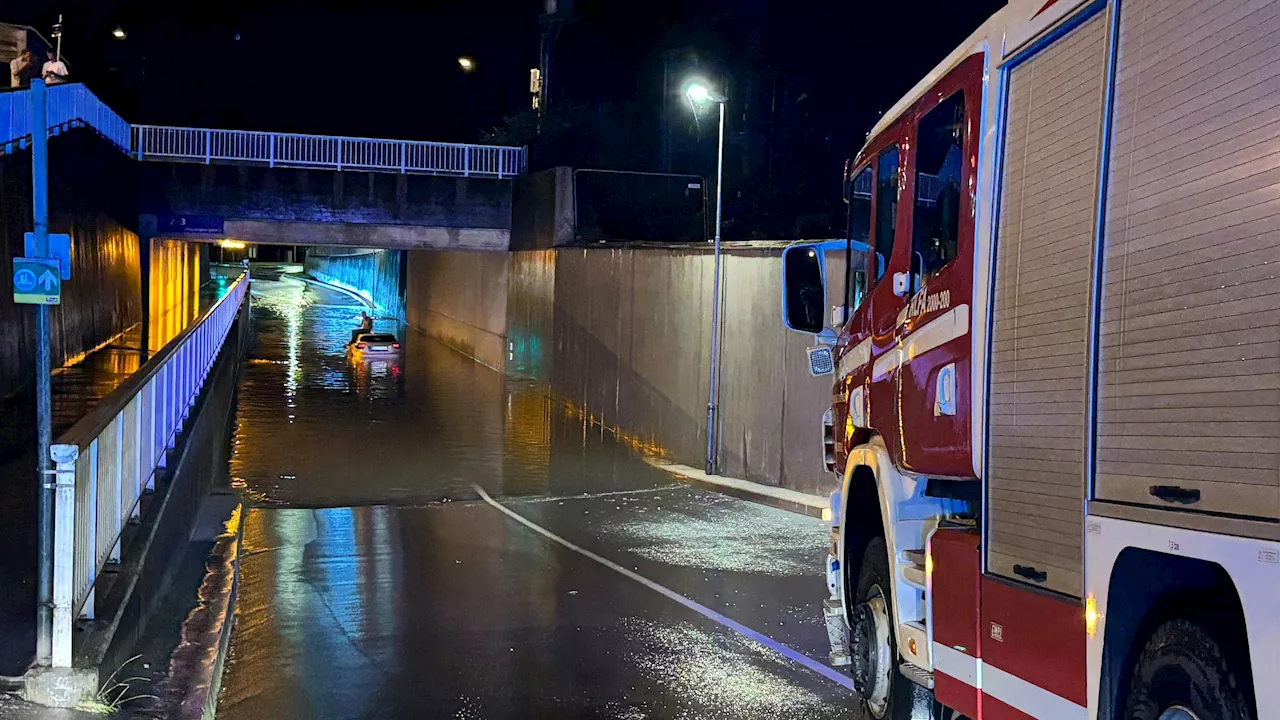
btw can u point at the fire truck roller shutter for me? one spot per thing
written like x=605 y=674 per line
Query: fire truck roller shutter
x=1039 y=352
x=1189 y=356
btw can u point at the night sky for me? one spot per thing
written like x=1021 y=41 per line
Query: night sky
x=810 y=78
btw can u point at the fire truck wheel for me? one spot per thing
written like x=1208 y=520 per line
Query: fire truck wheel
x=887 y=695
x=1184 y=674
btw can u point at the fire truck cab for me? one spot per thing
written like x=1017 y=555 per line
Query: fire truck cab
x=1055 y=417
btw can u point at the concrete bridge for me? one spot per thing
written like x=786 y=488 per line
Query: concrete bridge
x=296 y=189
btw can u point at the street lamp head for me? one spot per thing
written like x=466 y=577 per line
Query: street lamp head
x=700 y=92
x=119 y=33
x=466 y=63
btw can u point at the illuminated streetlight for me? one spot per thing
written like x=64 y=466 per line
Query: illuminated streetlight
x=119 y=33
x=700 y=93
x=466 y=63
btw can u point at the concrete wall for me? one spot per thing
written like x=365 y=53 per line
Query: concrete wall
x=90 y=197
x=542 y=209
x=625 y=335
x=353 y=235
x=324 y=197
x=375 y=275
x=461 y=298
x=178 y=269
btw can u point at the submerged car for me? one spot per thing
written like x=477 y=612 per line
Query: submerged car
x=374 y=346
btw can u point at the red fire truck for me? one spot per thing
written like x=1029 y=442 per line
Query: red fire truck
x=1056 y=404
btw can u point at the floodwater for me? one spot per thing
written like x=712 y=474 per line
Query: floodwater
x=376 y=582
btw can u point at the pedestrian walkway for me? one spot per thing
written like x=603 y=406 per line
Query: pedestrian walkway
x=76 y=390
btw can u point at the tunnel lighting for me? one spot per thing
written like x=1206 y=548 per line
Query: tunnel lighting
x=119 y=33
x=466 y=63
x=1091 y=615
x=231 y=245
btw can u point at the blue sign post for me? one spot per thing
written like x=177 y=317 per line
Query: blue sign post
x=59 y=249
x=36 y=281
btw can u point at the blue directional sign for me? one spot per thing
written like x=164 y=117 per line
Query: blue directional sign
x=36 y=281
x=202 y=224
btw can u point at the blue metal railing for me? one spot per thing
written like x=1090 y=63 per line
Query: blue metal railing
x=111 y=456
x=73 y=104
x=69 y=105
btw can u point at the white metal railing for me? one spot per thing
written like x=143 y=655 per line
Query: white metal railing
x=108 y=458
x=152 y=142
x=72 y=103
x=68 y=104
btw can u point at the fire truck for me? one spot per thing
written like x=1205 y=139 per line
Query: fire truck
x=1053 y=334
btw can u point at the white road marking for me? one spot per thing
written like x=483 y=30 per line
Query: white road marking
x=787 y=652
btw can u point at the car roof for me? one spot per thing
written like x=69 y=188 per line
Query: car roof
x=378 y=337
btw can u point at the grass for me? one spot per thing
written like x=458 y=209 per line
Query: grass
x=113 y=694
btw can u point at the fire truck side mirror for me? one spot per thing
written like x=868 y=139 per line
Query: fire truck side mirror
x=804 y=294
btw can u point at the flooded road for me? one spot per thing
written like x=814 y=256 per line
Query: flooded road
x=379 y=582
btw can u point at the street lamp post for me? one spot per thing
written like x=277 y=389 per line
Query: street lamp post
x=700 y=93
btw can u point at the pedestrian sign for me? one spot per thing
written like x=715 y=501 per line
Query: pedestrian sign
x=36 y=281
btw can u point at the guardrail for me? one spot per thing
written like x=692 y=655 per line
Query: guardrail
x=108 y=458
x=68 y=105
x=154 y=142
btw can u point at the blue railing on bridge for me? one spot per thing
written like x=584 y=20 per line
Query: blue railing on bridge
x=74 y=104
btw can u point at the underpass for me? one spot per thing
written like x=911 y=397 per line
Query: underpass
x=476 y=529
x=378 y=579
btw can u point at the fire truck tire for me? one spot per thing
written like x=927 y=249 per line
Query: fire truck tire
x=1184 y=673
x=906 y=700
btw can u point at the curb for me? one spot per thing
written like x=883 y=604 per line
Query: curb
x=316 y=281
x=195 y=669
x=782 y=498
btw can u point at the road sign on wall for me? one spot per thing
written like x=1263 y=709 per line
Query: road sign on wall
x=202 y=224
x=36 y=281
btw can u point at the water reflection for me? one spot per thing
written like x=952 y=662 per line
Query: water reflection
x=320 y=600
x=316 y=429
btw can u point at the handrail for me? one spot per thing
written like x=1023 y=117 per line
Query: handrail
x=68 y=105
x=108 y=459
x=332 y=152
x=71 y=104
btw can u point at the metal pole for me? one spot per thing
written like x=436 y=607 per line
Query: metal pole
x=44 y=399
x=714 y=391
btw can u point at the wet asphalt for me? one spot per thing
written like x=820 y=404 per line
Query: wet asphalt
x=376 y=583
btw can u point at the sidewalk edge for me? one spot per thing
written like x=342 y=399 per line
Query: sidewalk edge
x=783 y=498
